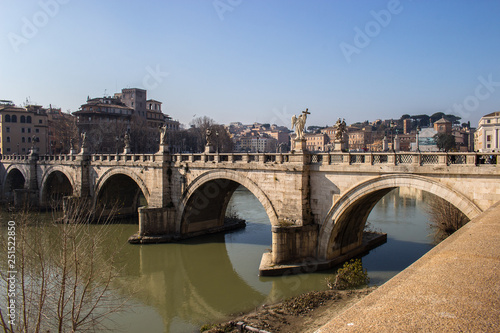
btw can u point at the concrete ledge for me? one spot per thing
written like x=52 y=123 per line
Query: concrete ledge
x=452 y=288
x=370 y=241
x=155 y=239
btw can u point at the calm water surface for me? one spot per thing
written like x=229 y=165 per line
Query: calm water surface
x=179 y=287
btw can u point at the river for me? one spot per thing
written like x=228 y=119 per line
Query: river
x=179 y=287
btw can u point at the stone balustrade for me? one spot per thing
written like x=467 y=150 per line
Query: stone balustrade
x=331 y=158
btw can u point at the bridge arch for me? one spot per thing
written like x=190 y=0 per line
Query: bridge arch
x=15 y=178
x=56 y=183
x=119 y=189
x=207 y=196
x=342 y=230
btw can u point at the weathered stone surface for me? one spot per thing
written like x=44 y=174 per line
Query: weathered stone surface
x=333 y=193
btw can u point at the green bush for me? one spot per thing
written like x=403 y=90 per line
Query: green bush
x=351 y=276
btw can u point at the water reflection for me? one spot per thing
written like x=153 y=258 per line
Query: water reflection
x=178 y=287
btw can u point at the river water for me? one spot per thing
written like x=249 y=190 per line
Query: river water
x=179 y=287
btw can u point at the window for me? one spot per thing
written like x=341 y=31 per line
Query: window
x=8 y=139
x=13 y=119
x=488 y=138
x=23 y=139
x=37 y=130
x=23 y=119
x=7 y=118
x=7 y=129
x=8 y=150
x=29 y=130
x=28 y=119
x=22 y=130
x=488 y=121
x=40 y=121
x=29 y=139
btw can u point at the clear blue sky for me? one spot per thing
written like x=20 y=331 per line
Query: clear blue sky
x=257 y=60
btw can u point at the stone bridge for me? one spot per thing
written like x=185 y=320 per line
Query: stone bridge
x=317 y=203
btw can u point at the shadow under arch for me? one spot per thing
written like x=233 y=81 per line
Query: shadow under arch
x=120 y=193
x=56 y=184
x=204 y=202
x=342 y=230
x=14 y=180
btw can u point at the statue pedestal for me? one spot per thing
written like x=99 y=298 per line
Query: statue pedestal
x=127 y=150
x=163 y=149
x=73 y=151
x=339 y=146
x=209 y=149
x=300 y=145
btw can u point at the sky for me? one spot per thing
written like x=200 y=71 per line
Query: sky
x=257 y=60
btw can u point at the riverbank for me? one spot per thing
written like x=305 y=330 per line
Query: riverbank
x=304 y=313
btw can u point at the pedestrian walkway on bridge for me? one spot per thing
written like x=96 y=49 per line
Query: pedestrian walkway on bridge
x=455 y=287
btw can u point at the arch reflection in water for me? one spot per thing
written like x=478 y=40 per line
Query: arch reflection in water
x=402 y=214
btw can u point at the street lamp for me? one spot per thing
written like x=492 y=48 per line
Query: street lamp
x=418 y=131
x=392 y=138
x=217 y=138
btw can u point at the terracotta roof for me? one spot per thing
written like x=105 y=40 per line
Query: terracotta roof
x=442 y=121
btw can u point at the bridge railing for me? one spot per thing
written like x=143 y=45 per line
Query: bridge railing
x=113 y=158
x=57 y=158
x=13 y=158
x=232 y=158
x=406 y=158
x=331 y=158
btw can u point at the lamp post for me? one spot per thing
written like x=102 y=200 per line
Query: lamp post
x=392 y=138
x=217 y=138
x=418 y=131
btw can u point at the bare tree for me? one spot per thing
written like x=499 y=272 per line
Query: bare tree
x=220 y=135
x=445 y=218
x=64 y=273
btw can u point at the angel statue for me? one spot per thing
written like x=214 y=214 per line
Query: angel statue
x=83 y=135
x=163 y=135
x=300 y=123
x=340 y=129
x=208 y=136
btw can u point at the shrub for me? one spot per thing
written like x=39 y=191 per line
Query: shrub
x=350 y=276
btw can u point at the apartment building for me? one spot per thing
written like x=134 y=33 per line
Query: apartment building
x=487 y=136
x=22 y=128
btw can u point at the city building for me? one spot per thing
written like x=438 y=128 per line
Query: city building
x=108 y=118
x=258 y=137
x=426 y=141
x=255 y=143
x=442 y=126
x=317 y=141
x=464 y=138
x=407 y=125
x=330 y=131
x=487 y=136
x=359 y=139
x=20 y=126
